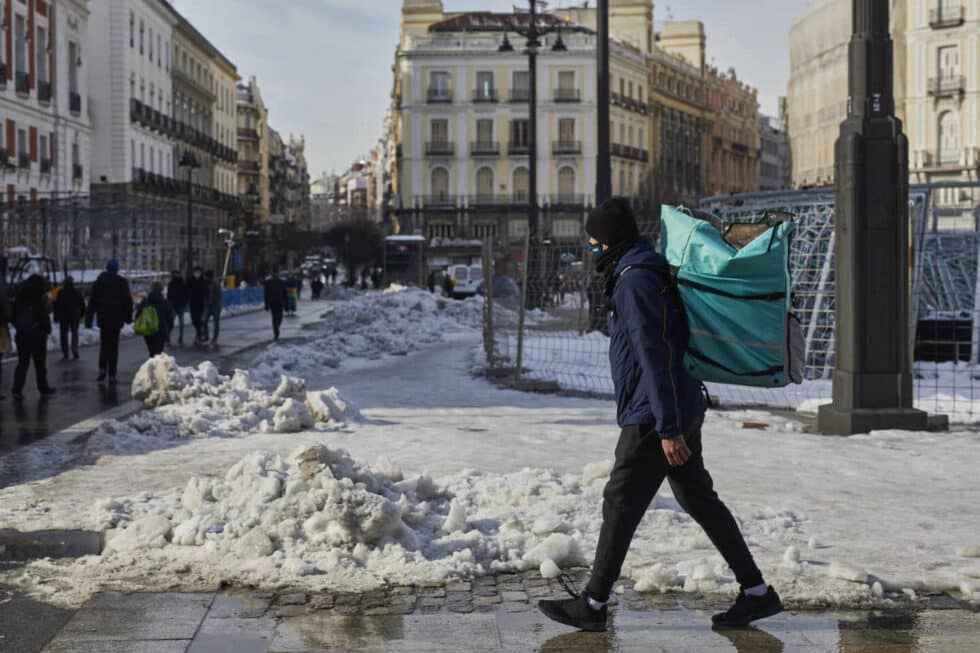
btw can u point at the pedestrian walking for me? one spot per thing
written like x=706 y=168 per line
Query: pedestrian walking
x=316 y=286
x=69 y=309
x=292 y=293
x=660 y=411
x=447 y=284
x=212 y=307
x=111 y=306
x=275 y=301
x=32 y=322
x=431 y=282
x=6 y=346
x=197 y=296
x=162 y=318
x=376 y=278
x=177 y=297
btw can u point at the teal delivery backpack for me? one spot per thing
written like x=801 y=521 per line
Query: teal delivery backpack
x=735 y=284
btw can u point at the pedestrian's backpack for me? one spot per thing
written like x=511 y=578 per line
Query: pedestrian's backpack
x=147 y=322
x=735 y=285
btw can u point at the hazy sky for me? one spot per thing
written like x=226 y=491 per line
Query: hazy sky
x=324 y=66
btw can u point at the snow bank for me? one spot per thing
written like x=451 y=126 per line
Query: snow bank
x=370 y=326
x=203 y=403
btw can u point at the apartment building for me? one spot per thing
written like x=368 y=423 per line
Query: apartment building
x=45 y=133
x=253 y=149
x=462 y=115
x=942 y=98
x=773 y=154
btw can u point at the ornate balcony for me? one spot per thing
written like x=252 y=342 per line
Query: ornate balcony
x=440 y=96
x=443 y=148
x=566 y=147
x=518 y=149
x=568 y=95
x=520 y=95
x=951 y=86
x=485 y=148
x=24 y=161
x=247 y=134
x=944 y=16
x=439 y=201
x=44 y=92
x=22 y=82
x=485 y=95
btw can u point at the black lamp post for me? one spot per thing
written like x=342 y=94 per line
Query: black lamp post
x=873 y=369
x=532 y=32
x=190 y=162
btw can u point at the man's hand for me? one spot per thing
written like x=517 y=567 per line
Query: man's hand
x=676 y=450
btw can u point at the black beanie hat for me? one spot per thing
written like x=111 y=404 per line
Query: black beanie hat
x=613 y=222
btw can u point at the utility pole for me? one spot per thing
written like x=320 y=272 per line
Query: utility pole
x=534 y=230
x=873 y=371
x=603 y=166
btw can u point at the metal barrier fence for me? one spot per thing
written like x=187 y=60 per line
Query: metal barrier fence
x=243 y=296
x=562 y=345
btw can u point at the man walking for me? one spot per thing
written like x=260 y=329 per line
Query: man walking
x=212 y=306
x=275 y=301
x=112 y=306
x=33 y=324
x=177 y=298
x=197 y=295
x=660 y=410
x=69 y=308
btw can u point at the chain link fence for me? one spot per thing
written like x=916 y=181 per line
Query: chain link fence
x=560 y=344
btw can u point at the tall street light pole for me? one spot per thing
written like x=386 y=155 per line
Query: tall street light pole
x=190 y=162
x=873 y=370
x=603 y=166
x=533 y=32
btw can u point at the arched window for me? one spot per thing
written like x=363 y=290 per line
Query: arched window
x=949 y=137
x=521 y=183
x=566 y=183
x=484 y=183
x=439 y=184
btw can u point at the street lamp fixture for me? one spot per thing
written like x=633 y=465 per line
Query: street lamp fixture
x=505 y=46
x=190 y=162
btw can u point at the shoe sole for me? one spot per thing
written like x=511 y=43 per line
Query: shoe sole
x=723 y=625
x=592 y=628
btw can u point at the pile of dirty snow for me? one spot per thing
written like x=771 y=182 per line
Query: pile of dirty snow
x=370 y=326
x=201 y=402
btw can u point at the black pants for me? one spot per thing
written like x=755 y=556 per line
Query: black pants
x=109 y=348
x=276 y=319
x=69 y=329
x=31 y=349
x=637 y=474
x=155 y=343
x=197 y=319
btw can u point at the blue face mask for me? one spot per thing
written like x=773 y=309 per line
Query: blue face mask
x=595 y=251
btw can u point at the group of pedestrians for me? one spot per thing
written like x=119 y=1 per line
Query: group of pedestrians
x=199 y=295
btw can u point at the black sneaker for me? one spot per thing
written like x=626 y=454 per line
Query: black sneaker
x=576 y=611
x=101 y=376
x=749 y=608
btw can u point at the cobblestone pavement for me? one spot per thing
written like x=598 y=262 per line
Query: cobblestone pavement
x=485 y=614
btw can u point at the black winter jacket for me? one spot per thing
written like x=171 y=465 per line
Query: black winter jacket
x=177 y=293
x=69 y=306
x=111 y=303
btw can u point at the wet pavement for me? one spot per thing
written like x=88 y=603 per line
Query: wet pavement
x=79 y=397
x=249 y=622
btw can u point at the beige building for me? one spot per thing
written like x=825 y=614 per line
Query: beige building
x=817 y=90
x=734 y=113
x=253 y=149
x=224 y=123
x=942 y=97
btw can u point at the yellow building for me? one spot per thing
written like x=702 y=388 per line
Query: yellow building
x=224 y=124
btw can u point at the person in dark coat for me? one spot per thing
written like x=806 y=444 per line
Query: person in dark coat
x=431 y=281
x=6 y=315
x=165 y=318
x=212 y=308
x=69 y=309
x=197 y=297
x=177 y=297
x=111 y=305
x=33 y=324
x=660 y=410
x=275 y=301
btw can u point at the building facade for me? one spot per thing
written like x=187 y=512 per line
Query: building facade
x=942 y=99
x=297 y=183
x=45 y=133
x=253 y=150
x=462 y=118
x=773 y=154
x=735 y=133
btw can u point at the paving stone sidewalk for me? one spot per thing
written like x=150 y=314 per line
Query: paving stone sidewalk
x=485 y=614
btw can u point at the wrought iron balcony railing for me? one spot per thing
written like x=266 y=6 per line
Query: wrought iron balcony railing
x=440 y=147
x=485 y=148
x=568 y=95
x=946 y=16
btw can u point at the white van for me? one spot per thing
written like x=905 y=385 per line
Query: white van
x=467 y=279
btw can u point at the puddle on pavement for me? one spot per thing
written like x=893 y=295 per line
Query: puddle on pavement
x=16 y=546
x=931 y=631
